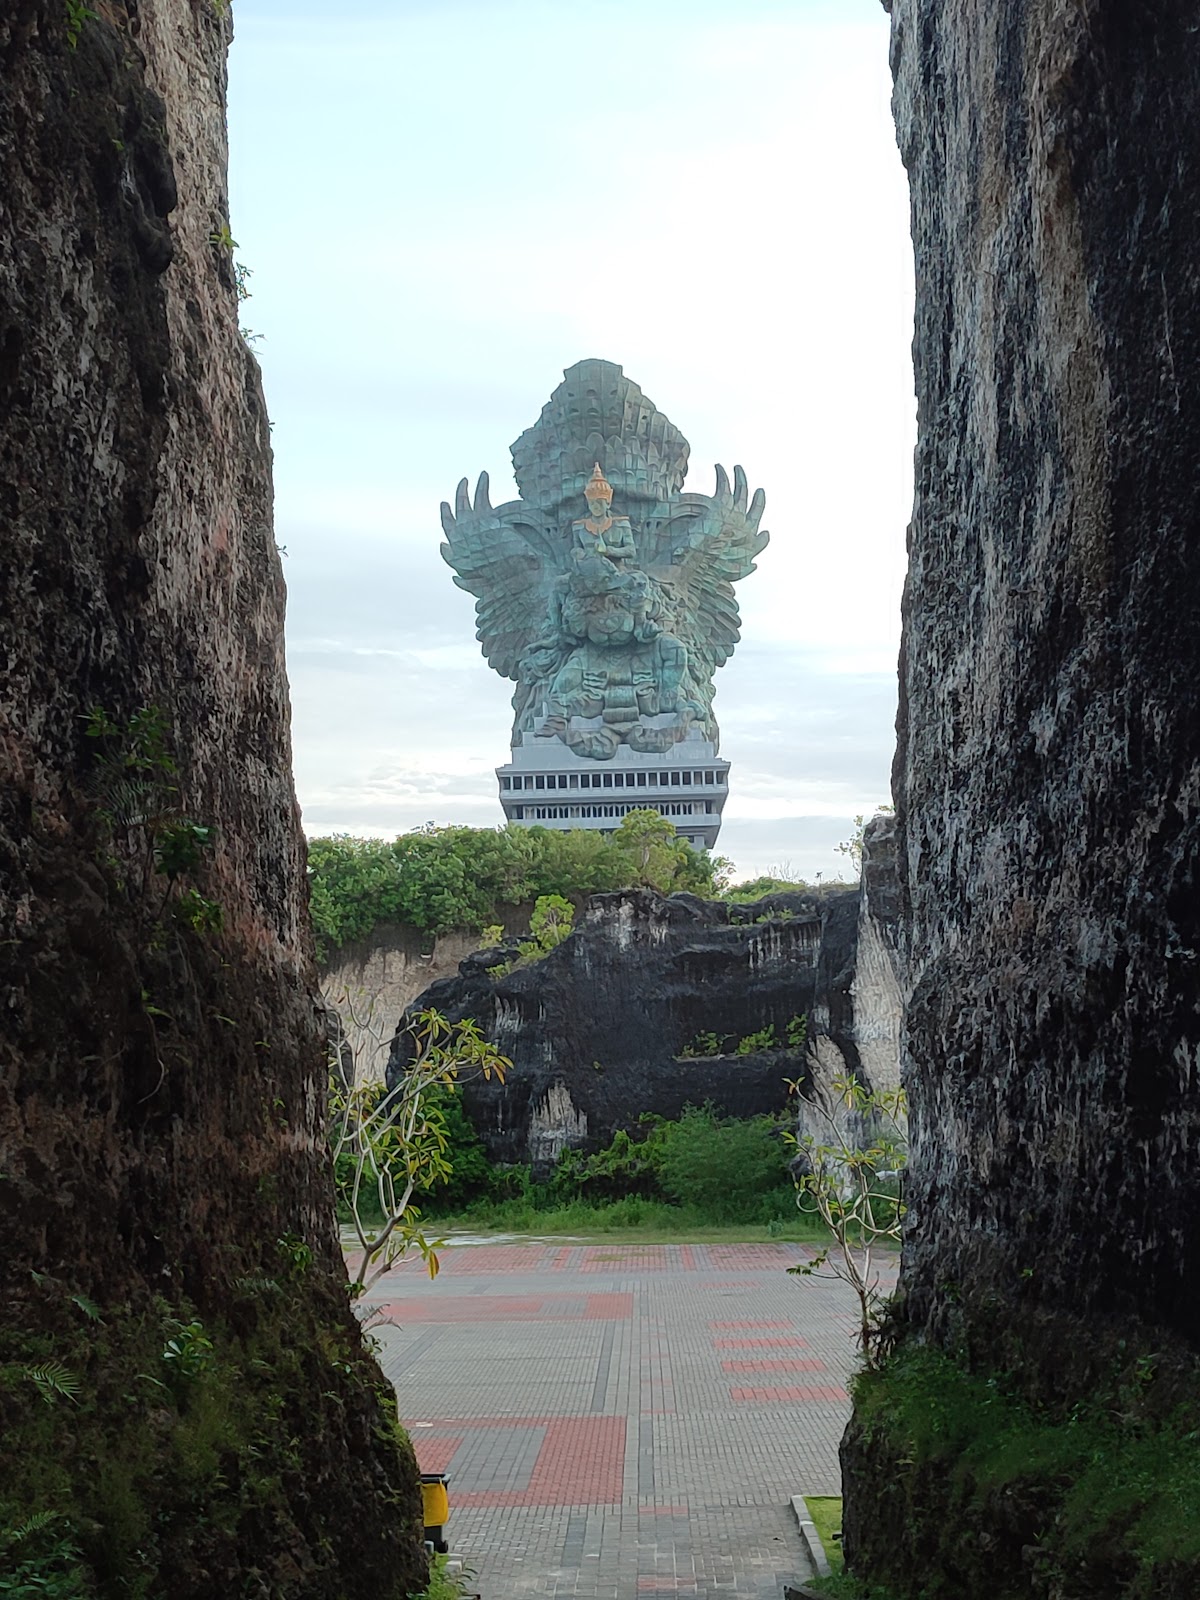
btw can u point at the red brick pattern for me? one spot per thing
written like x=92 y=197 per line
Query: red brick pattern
x=739 y=1257
x=510 y=1308
x=435 y=1453
x=780 y=1341
x=625 y=1258
x=581 y=1461
x=773 y=1366
x=749 y=1324
x=831 y=1391
x=609 y=1308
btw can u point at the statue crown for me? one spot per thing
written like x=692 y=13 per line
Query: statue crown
x=598 y=487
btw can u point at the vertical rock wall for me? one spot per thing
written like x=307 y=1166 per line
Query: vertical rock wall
x=166 y=1228
x=1048 y=771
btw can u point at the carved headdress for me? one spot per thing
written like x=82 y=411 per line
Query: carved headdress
x=598 y=415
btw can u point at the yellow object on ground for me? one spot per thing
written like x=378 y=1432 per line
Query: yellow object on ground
x=436 y=1505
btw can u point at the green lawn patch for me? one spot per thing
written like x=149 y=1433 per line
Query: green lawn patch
x=626 y=1222
x=842 y=1586
x=826 y=1513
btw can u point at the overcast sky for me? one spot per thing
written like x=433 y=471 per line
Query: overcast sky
x=444 y=203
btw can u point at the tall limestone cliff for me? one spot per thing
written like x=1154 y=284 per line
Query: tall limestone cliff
x=1048 y=788
x=183 y=1390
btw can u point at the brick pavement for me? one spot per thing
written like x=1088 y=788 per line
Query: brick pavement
x=620 y=1421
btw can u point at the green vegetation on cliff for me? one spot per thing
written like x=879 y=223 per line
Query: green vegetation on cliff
x=440 y=878
x=149 y=1447
x=978 y=1491
x=702 y=1169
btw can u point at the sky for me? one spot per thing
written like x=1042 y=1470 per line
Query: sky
x=443 y=204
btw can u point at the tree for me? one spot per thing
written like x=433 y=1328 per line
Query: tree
x=387 y=1143
x=551 y=922
x=853 y=846
x=649 y=841
x=853 y=1173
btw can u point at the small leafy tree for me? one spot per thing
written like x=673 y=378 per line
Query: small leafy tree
x=852 y=1171
x=648 y=839
x=552 y=921
x=387 y=1143
x=853 y=846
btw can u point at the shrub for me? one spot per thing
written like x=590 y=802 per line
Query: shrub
x=731 y=1170
x=440 y=878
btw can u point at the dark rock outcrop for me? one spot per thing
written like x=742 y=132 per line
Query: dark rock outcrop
x=167 y=1238
x=1049 y=745
x=599 y=1030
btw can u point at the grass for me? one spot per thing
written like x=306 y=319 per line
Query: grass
x=630 y=1221
x=444 y=1584
x=1112 y=1481
x=826 y=1513
x=841 y=1586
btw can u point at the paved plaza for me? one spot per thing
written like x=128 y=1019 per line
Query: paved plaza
x=622 y=1421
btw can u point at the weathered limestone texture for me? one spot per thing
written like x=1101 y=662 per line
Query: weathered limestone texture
x=166 y=1228
x=876 y=1003
x=599 y=1030
x=371 y=982
x=1048 y=770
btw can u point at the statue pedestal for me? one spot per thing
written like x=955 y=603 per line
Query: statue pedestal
x=546 y=785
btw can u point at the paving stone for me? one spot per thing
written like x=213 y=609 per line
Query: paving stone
x=622 y=1420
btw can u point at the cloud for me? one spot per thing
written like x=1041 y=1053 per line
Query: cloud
x=722 y=210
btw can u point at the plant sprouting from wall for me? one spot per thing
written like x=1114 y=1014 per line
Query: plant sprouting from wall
x=77 y=15
x=134 y=790
x=386 y=1144
x=852 y=1171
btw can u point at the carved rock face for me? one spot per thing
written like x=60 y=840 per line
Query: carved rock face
x=163 y=1076
x=600 y=1025
x=1049 y=729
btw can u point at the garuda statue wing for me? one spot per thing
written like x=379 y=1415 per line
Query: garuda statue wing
x=706 y=543
x=507 y=558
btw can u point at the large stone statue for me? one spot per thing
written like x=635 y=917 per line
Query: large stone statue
x=613 y=622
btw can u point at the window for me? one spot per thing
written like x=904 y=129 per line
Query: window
x=562 y=780
x=574 y=783
x=641 y=780
x=539 y=783
x=675 y=780
x=720 y=777
x=619 y=779
x=685 y=777
x=518 y=813
x=608 y=780
x=708 y=779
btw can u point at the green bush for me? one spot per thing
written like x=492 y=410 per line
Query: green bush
x=703 y=1168
x=440 y=878
x=471 y=1173
x=625 y=1169
x=729 y=1170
